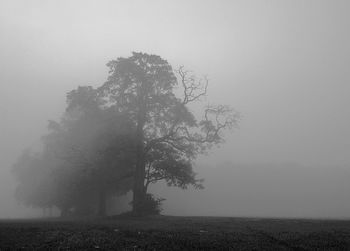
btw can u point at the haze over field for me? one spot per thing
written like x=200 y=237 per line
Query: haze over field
x=284 y=65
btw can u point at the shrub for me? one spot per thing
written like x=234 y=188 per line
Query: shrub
x=151 y=205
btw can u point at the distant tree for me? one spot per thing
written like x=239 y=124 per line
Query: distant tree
x=35 y=184
x=168 y=136
x=98 y=144
x=86 y=157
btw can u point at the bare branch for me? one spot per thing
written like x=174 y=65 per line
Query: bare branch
x=192 y=89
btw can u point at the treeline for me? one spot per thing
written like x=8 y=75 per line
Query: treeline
x=128 y=133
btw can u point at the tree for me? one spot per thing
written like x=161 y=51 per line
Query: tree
x=86 y=157
x=32 y=172
x=98 y=143
x=167 y=134
x=101 y=140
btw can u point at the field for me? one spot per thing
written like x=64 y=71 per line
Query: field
x=174 y=233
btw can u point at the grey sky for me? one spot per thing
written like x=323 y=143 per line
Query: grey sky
x=283 y=64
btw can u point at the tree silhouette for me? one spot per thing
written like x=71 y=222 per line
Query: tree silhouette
x=168 y=136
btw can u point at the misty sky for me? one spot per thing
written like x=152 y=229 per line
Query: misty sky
x=284 y=65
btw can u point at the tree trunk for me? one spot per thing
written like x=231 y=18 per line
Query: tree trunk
x=102 y=203
x=139 y=176
x=139 y=191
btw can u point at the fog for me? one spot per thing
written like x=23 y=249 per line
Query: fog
x=284 y=65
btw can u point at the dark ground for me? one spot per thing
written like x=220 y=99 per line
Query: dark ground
x=174 y=233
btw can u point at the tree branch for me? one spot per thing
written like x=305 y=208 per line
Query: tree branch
x=192 y=89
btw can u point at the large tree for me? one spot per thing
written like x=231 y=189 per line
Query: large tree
x=168 y=135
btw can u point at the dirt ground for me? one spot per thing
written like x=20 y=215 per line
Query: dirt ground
x=174 y=233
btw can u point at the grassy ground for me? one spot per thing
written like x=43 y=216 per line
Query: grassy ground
x=174 y=233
